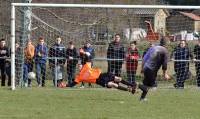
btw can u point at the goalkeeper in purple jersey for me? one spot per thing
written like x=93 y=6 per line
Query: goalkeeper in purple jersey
x=155 y=57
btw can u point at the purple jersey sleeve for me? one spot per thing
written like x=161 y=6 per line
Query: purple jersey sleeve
x=156 y=57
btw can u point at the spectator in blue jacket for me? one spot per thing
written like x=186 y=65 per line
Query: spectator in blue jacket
x=87 y=54
x=57 y=60
x=181 y=52
x=41 y=52
x=115 y=56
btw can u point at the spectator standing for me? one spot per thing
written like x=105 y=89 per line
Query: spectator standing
x=197 y=63
x=4 y=53
x=115 y=56
x=87 y=54
x=41 y=52
x=28 y=63
x=57 y=60
x=72 y=60
x=132 y=57
x=181 y=52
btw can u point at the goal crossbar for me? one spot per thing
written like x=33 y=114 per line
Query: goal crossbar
x=104 y=6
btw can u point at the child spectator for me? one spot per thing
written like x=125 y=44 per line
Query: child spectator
x=132 y=57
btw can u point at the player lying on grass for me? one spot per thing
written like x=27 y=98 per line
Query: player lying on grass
x=94 y=75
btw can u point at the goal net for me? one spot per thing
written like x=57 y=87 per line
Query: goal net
x=95 y=29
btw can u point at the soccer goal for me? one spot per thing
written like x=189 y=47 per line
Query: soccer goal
x=96 y=25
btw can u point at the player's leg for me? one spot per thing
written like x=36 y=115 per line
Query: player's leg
x=108 y=80
x=149 y=79
x=120 y=80
x=144 y=91
x=112 y=84
x=133 y=86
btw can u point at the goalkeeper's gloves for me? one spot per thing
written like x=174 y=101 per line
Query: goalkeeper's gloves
x=87 y=53
x=71 y=58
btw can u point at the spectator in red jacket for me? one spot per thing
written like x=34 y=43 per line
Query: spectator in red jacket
x=132 y=57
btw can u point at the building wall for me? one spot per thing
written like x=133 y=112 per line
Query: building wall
x=178 y=22
x=160 y=22
x=197 y=26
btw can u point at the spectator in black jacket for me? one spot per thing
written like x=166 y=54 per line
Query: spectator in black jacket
x=181 y=52
x=115 y=56
x=57 y=60
x=197 y=63
x=72 y=60
x=4 y=53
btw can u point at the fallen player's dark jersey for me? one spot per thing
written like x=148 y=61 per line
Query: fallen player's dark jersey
x=104 y=78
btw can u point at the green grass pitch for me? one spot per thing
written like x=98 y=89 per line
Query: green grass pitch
x=98 y=103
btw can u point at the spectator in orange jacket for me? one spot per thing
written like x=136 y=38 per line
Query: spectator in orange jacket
x=28 y=62
x=132 y=57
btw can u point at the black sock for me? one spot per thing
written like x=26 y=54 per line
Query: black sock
x=144 y=90
x=122 y=88
x=126 y=83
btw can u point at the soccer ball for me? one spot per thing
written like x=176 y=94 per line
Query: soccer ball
x=62 y=84
x=31 y=75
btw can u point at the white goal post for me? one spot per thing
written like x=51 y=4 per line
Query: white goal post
x=13 y=18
